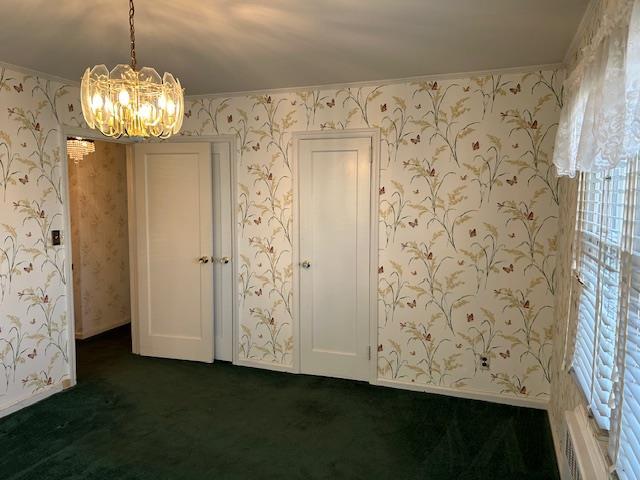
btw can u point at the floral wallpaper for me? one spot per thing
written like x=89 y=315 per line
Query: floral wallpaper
x=468 y=223
x=98 y=199
x=34 y=340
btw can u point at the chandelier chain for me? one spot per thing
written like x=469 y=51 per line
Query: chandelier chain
x=132 y=34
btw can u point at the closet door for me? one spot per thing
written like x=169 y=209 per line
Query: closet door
x=174 y=246
x=334 y=195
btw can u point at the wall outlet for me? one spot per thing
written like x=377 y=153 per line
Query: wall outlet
x=484 y=362
x=56 y=237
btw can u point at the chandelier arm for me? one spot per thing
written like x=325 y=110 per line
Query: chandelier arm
x=132 y=34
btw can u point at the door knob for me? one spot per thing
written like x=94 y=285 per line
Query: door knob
x=203 y=260
x=223 y=260
x=306 y=264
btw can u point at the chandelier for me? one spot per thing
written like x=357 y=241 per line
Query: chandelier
x=78 y=148
x=132 y=102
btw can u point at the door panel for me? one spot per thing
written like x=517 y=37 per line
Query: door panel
x=174 y=225
x=334 y=186
x=223 y=251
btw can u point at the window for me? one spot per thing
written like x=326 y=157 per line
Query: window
x=607 y=349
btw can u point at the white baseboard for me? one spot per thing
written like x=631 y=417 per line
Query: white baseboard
x=464 y=393
x=265 y=365
x=29 y=399
x=84 y=334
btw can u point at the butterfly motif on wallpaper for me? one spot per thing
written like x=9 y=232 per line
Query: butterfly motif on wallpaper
x=332 y=103
x=19 y=88
x=256 y=147
x=413 y=224
x=515 y=90
x=24 y=180
x=381 y=191
x=508 y=269
x=475 y=145
x=470 y=317
x=513 y=181
x=28 y=268
x=412 y=304
x=383 y=107
x=33 y=354
x=416 y=140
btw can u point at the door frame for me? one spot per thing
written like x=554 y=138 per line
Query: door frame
x=65 y=131
x=374 y=135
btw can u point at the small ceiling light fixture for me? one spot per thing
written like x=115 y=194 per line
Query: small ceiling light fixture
x=77 y=149
x=131 y=102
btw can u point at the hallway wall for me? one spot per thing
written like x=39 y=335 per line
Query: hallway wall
x=98 y=200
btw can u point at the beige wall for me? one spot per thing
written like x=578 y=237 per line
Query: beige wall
x=34 y=334
x=466 y=177
x=98 y=200
x=468 y=223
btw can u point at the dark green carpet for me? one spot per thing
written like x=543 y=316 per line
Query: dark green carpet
x=142 y=418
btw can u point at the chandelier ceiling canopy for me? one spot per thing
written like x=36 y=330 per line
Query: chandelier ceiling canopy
x=131 y=102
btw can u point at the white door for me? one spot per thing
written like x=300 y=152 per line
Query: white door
x=223 y=251
x=174 y=245
x=334 y=193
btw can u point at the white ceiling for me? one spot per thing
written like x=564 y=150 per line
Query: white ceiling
x=237 y=45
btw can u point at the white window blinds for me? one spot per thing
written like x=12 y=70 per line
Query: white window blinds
x=607 y=349
x=625 y=446
x=600 y=222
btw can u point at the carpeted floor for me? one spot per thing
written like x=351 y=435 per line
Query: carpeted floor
x=142 y=418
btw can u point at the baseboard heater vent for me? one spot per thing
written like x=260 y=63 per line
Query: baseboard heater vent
x=572 y=461
x=584 y=457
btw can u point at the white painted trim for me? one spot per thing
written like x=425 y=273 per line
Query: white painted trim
x=276 y=367
x=133 y=253
x=37 y=73
x=592 y=462
x=464 y=393
x=29 y=399
x=83 y=335
x=382 y=82
x=374 y=135
x=230 y=140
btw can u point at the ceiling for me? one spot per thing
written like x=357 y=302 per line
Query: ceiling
x=238 y=45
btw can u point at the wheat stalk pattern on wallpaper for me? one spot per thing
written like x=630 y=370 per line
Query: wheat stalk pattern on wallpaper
x=468 y=222
x=34 y=341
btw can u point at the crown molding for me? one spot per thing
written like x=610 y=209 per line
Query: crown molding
x=384 y=82
x=328 y=86
x=37 y=73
